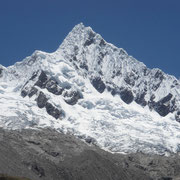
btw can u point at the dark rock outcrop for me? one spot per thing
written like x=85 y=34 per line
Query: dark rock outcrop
x=53 y=111
x=42 y=80
x=166 y=99
x=90 y=39
x=131 y=78
x=98 y=84
x=114 y=91
x=32 y=92
x=163 y=106
x=140 y=99
x=84 y=66
x=34 y=75
x=127 y=96
x=102 y=43
x=159 y=75
x=53 y=87
x=24 y=93
x=41 y=100
x=177 y=116
x=162 y=109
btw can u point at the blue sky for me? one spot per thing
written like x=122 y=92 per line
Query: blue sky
x=147 y=30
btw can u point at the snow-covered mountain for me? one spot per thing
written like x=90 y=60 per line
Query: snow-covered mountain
x=96 y=91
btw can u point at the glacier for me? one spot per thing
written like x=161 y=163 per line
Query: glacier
x=95 y=91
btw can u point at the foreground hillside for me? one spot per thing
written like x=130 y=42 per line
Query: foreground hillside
x=48 y=155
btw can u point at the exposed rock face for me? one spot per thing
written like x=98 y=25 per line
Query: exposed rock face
x=34 y=75
x=42 y=80
x=166 y=99
x=51 y=110
x=46 y=155
x=164 y=106
x=24 y=93
x=130 y=78
x=90 y=39
x=98 y=84
x=127 y=96
x=41 y=100
x=32 y=92
x=140 y=99
x=53 y=87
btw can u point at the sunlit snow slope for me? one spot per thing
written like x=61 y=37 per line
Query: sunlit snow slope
x=96 y=91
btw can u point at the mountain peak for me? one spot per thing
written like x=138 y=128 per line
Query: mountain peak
x=79 y=26
x=77 y=36
x=94 y=90
x=111 y=68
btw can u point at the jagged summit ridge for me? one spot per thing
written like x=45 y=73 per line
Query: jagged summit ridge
x=92 y=56
x=96 y=91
